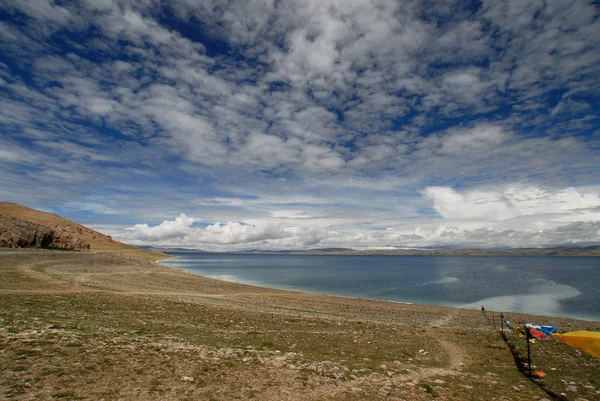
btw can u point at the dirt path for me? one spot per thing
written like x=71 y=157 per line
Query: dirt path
x=457 y=356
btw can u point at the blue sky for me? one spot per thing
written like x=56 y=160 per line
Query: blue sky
x=303 y=124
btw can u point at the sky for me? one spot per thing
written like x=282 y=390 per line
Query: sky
x=306 y=124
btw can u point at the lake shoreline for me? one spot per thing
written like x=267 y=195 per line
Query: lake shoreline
x=270 y=271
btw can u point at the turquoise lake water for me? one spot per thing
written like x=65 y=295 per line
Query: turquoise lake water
x=552 y=286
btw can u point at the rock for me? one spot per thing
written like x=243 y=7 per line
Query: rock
x=515 y=388
x=384 y=390
x=17 y=233
x=438 y=381
x=187 y=379
x=572 y=389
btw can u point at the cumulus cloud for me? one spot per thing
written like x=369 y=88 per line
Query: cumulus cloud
x=178 y=228
x=180 y=232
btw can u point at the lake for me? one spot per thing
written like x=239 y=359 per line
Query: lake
x=539 y=285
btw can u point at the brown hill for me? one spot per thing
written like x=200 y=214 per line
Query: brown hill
x=65 y=232
x=17 y=233
x=97 y=241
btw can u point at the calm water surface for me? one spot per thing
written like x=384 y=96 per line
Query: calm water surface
x=553 y=286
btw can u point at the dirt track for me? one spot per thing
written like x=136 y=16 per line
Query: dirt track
x=73 y=325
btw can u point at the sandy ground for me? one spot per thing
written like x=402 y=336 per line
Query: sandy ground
x=84 y=325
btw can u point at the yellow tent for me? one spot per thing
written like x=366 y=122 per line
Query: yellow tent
x=586 y=340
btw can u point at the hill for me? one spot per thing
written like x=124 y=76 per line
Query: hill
x=24 y=226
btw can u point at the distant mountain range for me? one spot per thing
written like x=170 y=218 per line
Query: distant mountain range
x=593 y=250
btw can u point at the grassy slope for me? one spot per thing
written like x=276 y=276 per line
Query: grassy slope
x=73 y=324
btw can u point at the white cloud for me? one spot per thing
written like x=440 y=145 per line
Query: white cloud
x=179 y=232
x=178 y=228
x=497 y=205
x=478 y=139
x=13 y=153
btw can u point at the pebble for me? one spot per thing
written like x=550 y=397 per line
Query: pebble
x=438 y=381
x=187 y=379
x=384 y=390
x=515 y=388
x=572 y=388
